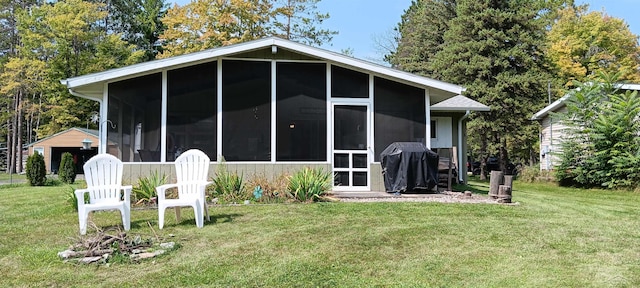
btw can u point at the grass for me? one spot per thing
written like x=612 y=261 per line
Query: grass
x=555 y=237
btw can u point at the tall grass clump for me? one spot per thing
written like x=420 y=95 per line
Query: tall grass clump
x=36 y=171
x=67 y=170
x=229 y=186
x=145 y=191
x=310 y=184
x=273 y=190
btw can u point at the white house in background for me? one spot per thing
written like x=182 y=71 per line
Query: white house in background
x=272 y=105
x=552 y=130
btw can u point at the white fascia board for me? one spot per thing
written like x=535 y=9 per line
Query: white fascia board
x=462 y=109
x=368 y=66
x=550 y=108
x=157 y=65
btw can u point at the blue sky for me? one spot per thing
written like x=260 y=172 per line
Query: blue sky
x=360 y=22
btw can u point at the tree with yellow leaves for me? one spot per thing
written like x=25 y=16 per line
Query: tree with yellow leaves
x=581 y=44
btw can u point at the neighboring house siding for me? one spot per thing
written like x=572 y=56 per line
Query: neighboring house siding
x=551 y=135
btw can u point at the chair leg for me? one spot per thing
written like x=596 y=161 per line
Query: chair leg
x=82 y=219
x=197 y=210
x=206 y=210
x=161 y=216
x=126 y=218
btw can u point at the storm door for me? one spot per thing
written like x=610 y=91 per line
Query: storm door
x=351 y=147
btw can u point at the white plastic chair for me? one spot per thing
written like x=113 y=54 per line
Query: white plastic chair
x=192 y=170
x=103 y=174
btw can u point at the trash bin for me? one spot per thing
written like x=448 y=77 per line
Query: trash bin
x=409 y=166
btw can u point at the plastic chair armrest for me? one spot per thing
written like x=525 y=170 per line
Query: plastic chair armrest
x=162 y=188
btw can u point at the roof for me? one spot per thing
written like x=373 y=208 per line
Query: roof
x=459 y=103
x=89 y=132
x=560 y=102
x=92 y=85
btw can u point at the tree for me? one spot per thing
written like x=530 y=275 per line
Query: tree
x=581 y=44
x=139 y=22
x=494 y=48
x=601 y=146
x=67 y=170
x=67 y=37
x=205 y=24
x=421 y=35
x=36 y=171
x=298 y=20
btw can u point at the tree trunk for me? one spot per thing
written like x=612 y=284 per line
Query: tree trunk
x=19 y=128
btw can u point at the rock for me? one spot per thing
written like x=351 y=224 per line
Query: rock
x=144 y=255
x=66 y=254
x=89 y=260
x=167 y=245
x=158 y=252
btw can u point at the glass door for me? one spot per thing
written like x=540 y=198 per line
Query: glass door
x=351 y=147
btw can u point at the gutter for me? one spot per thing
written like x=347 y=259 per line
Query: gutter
x=100 y=130
x=460 y=174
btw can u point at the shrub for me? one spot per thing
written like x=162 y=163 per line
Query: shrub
x=533 y=173
x=145 y=191
x=310 y=184
x=274 y=190
x=36 y=171
x=229 y=186
x=67 y=170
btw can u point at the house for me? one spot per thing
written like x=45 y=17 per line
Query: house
x=70 y=140
x=552 y=130
x=273 y=105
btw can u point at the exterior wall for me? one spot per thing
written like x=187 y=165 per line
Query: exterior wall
x=69 y=138
x=133 y=171
x=551 y=134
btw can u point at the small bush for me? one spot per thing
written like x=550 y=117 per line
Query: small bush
x=36 y=171
x=67 y=170
x=229 y=186
x=145 y=191
x=310 y=184
x=533 y=173
x=274 y=190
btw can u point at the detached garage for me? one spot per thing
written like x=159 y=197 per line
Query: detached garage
x=71 y=141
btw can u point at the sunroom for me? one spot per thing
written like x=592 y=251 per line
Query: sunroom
x=272 y=106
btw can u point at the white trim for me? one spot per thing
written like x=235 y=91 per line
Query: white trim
x=102 y=126
x=274 y=100
x=329 y=115
x=353 y=102
x=163 y=118
x=427 y=112
x=169 y=63
x=219 y=110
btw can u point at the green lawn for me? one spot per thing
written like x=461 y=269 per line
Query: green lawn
x=555 y=237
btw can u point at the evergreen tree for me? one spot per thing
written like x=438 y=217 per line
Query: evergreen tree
x=67 y=170
x=36 y=172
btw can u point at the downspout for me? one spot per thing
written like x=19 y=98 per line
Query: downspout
x=460 y=166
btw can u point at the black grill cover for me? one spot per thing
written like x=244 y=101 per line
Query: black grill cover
x=409 y=165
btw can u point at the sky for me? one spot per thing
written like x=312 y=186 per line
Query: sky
x=363 y=23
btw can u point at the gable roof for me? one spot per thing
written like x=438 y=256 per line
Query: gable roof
x=560 y=102
x=88 y=132
x=459 y=103
x=92 y=85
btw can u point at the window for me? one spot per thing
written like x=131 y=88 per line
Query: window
x=192 y=110
x=39 y=150
x=348 y=83
x=301 y=122
x=399 y=114
x=246 y=110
